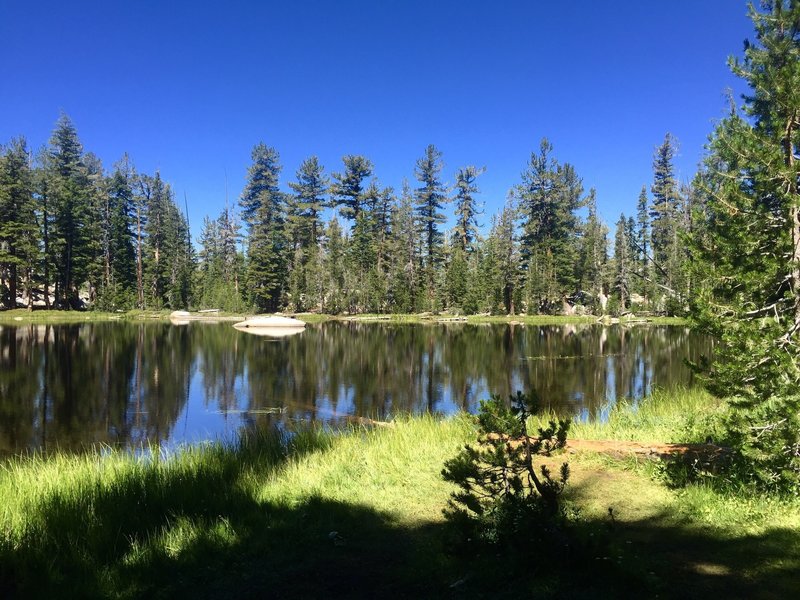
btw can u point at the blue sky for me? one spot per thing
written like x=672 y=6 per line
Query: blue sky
x=190 y=87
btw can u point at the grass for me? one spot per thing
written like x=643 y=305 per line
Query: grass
x=358 y=514
x=675 y=416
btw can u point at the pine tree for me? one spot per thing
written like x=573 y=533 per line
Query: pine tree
x=228 y=239
x=210 y=264
x=44 y=203
x=594 y=254
x=750 y=252
x=141 y=200
x=348 y=187
x=505 y=259
x=466 y=207
x=623 y=263
x=309 y=193
x=302 y=226
x=95 y=229
x=70 y=196
x=333 y=298
x=430 y=198
x=403 y=270
x=119 y=256
x=361 y=258
x=549 y=196
x=18 y=231
x=457 y=275
x=381 y=219
x=263 y=210
x=642 y=242
x=180 y=257
x=156 y=267
x=666 y=219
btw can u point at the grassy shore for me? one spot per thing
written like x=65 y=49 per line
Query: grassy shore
x=22 y=315
x=358 y=514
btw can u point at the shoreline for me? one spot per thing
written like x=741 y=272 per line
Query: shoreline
x=23 y=316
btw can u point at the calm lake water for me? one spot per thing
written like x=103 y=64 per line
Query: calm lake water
x=68 y=386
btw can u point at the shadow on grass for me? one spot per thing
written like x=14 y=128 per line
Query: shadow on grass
x=202 y=532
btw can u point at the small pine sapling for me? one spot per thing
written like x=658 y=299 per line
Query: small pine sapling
x=503 y=498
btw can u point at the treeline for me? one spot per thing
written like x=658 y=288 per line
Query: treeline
x=72 y=233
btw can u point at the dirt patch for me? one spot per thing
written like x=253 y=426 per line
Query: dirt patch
x=708 y=453
x=622 y=449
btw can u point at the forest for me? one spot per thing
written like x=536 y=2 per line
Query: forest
x=74 y=234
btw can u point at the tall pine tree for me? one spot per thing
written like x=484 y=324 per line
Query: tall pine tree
x=70 y=201
x=549 y=196
x=750 y=251
x=430 y=198
x=18 y=230
x=263 y=209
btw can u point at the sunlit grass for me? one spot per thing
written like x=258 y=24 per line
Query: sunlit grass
x=393 y=469
x=683 y=415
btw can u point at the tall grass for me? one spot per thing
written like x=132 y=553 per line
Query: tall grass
x=684 y=415
x=114 y=521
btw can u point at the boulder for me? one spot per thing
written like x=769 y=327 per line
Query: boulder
x=272 y=321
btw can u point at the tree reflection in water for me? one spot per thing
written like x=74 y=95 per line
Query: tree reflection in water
x=69 y=386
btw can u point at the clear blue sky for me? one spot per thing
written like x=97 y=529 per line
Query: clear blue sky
x=190 y=87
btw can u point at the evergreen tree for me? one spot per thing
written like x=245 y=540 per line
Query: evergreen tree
x=594 y=254
x=348 y=187
x=70 y=199
x=119 y=256
x=457 y=275
x=303 y=228
x=180 y=257
x=96 y=227
x=666 y=219
x=18 y=231
x=44 y=203
x=333 y=300
x=228 y=229
x=466 y=207
x=403 y=270
x=309 y=195
x=263 y=210
x=430 y=198
x=642 y=242
x=381 y=219
x=361 y=259
x=549 y=196
x=504 y=261
x=141 y=201
x=210 y=264
x=750 y=251
x=167 y=252
x=624 y=263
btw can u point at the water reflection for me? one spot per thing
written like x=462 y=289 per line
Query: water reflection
x=68 y=386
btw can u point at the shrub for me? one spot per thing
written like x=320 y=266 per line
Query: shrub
x=504 y=500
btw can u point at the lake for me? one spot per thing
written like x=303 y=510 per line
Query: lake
x=127 y=384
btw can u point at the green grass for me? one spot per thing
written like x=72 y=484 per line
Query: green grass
x=675 y=416
x=21 y=315
x=258 y=520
